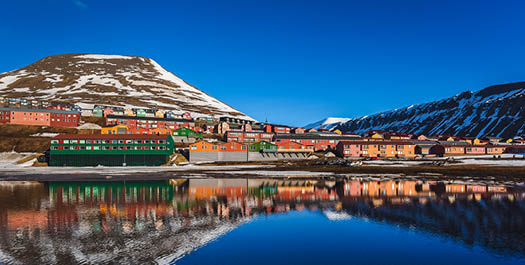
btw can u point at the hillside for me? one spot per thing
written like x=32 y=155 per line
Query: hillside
x=129 y=81
x=493 y=111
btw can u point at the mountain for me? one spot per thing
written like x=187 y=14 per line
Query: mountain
x=118 y=80
x=327 y=123
x=493 y=111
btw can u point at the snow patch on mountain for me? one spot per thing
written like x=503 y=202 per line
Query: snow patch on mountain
x=117 y=80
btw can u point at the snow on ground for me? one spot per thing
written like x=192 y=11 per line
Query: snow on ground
x=45 y=134
x=9 y=164
x=9 y=159
x=89 y=126
x=512 y=163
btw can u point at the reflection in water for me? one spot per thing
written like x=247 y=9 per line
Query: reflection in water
x=143 y=222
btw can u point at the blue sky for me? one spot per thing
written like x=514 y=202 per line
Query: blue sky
x=293 y=62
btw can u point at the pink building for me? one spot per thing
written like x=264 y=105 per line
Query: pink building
x=475 y=150
x=348 y=149
x=40 y=117
x=30 y=117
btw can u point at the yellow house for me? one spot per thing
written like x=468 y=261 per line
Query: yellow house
x=472 y=141
x=117 y=129
x=338 y=131
x=159 y=114
x=129 y=112
x=377 y=136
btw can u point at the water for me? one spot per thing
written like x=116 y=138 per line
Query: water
x=262 y=221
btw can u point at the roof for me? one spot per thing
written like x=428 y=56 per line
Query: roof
x=460 y=145
x=40 y=110
x=123 y=117
x=314 y=136
x=111 y=136
x=378 y=142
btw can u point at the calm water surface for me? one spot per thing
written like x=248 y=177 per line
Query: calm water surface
x=262 y=221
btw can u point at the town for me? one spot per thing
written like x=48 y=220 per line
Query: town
x=149 y=137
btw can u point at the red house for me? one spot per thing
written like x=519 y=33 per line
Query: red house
x=4 y=116
x=248 y=136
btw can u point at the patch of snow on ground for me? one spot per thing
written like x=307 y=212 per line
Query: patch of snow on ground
x=89 y=126
x=45 y=134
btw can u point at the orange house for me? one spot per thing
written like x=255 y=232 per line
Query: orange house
x=138 y=130
x=495 y=149
x=233 y=147
x=387 y=149
x=160 y=131
x=203 y=146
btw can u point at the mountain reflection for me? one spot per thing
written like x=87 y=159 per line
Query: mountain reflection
x=160 y=221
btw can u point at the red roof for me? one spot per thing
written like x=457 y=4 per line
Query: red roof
x=377 y=142
x=111 y=136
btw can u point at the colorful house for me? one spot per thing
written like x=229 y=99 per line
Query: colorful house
x=41 y=117
x=475 y=150
x=98 y=111
x=293 y=147
x=248 y=136
x=348 y=149
x=185 y=135
x=110 y=150
x=376 y=149
x=448 y=149
x=140 y=113
x=129 y=112
x=263 y=147
x=159 y=131
x=187 y=116
x=316 y=141
x=117 y=129
x=159 y=114
x=205 y=151
x=494 y=149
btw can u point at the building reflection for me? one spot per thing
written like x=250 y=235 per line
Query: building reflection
x=187 y=213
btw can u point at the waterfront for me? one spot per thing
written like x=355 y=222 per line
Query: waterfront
x=264 y=220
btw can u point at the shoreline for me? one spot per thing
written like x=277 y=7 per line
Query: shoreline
x=290 y=170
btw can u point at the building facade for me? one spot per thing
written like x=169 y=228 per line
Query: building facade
x=149 y=122
x=110 y=150
x=40 y=117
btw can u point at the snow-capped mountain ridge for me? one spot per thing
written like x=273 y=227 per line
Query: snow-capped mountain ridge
x=494 y=111
x=129 y=81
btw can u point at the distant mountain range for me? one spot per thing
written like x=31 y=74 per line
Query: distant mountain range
x=129 y=81
x=493 y=111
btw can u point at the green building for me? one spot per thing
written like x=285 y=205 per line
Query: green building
x=140 y=113
x=110 y=150
x=262 y=146
x=98 y=112
x=183 y=131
